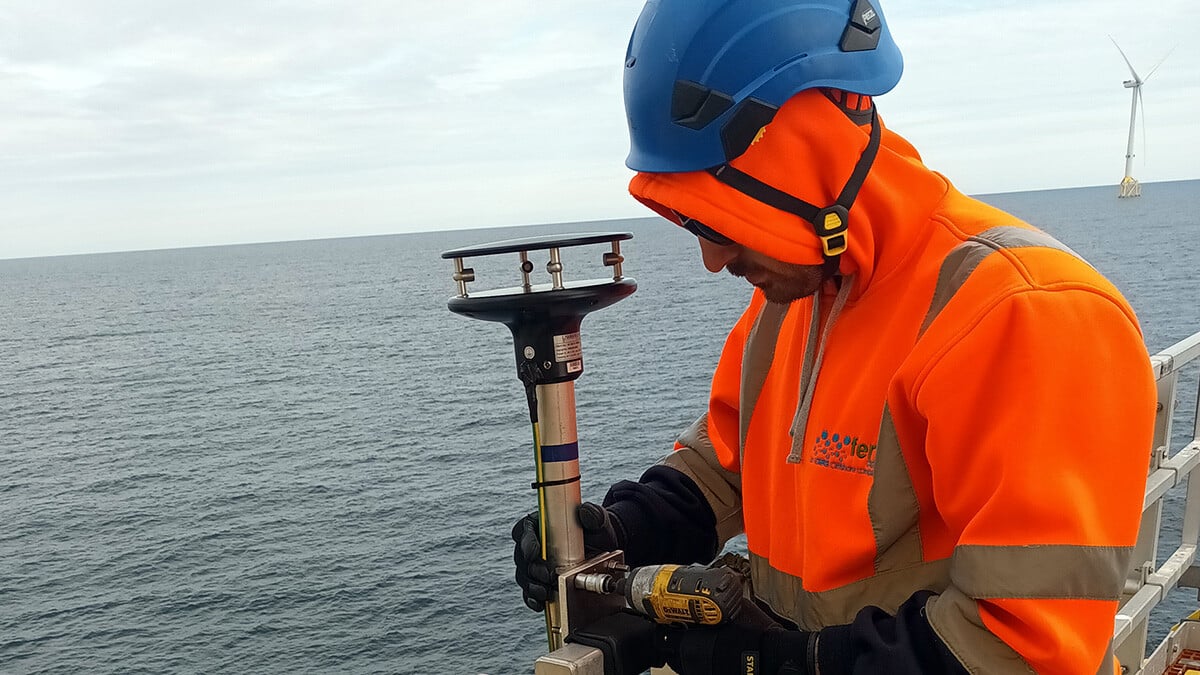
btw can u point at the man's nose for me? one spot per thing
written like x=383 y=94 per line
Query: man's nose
x=716 y=256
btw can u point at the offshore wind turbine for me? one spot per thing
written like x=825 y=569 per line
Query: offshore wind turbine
x=1129 y=186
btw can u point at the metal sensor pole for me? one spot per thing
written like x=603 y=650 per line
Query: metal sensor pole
x=545 y=320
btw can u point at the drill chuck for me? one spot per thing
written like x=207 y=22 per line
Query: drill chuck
x=596 y=582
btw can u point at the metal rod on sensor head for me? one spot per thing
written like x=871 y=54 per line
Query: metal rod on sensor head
x=554 y=267
x=614 y=260
x=526 y=268
x=461 y=276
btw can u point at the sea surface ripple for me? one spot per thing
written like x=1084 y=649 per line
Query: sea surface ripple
x=291 y=458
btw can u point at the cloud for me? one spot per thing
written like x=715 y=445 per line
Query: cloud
x=171 y=123
x=1014 y=95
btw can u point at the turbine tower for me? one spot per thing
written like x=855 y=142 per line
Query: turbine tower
x=1129 y=186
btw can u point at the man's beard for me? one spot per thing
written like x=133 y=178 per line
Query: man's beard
x=782 y=289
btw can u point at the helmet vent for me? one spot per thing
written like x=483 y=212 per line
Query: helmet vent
x=741 y=130
x=862 y=33
x=694 y=106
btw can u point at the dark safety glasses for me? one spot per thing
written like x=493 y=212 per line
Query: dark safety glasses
x=703 y=231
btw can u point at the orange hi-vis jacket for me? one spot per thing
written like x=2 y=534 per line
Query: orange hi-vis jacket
x=981 y=420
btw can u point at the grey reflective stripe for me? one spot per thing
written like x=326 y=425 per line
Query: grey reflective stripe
x=892 y=504
x=955 y=618
x=722 y=488
x=785 y=594
x=757 y=356
x=967 y=256
x=1047 y=571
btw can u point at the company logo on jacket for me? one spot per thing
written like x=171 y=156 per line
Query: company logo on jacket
x=843 y=452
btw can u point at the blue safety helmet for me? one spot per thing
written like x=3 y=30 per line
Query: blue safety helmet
x=702 y=77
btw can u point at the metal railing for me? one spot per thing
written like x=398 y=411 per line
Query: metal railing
x=1149 y=583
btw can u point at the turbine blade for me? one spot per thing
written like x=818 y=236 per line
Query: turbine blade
x=1136 y=78
x=1160 y=62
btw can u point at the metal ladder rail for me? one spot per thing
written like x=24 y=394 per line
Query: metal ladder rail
x=1149 y=584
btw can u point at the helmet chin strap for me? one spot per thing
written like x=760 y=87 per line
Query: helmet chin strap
x=830 y=223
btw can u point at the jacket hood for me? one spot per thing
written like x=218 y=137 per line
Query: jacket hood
x=809 y=151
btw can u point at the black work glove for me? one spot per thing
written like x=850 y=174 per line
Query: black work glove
x=737 y=649
x=628 y=641
x=602 y=532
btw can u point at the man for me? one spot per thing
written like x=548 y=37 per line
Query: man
x=932 y=422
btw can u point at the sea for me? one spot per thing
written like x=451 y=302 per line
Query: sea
x=292 y=458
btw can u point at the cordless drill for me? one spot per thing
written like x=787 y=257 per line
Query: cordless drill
x=691 y=594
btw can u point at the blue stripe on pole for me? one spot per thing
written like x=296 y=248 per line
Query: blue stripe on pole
x=560 y=453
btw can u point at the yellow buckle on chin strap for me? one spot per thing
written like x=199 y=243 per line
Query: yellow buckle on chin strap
x=831 y=225
x=835 y=245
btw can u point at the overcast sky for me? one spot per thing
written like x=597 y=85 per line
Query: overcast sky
x=135 y=124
